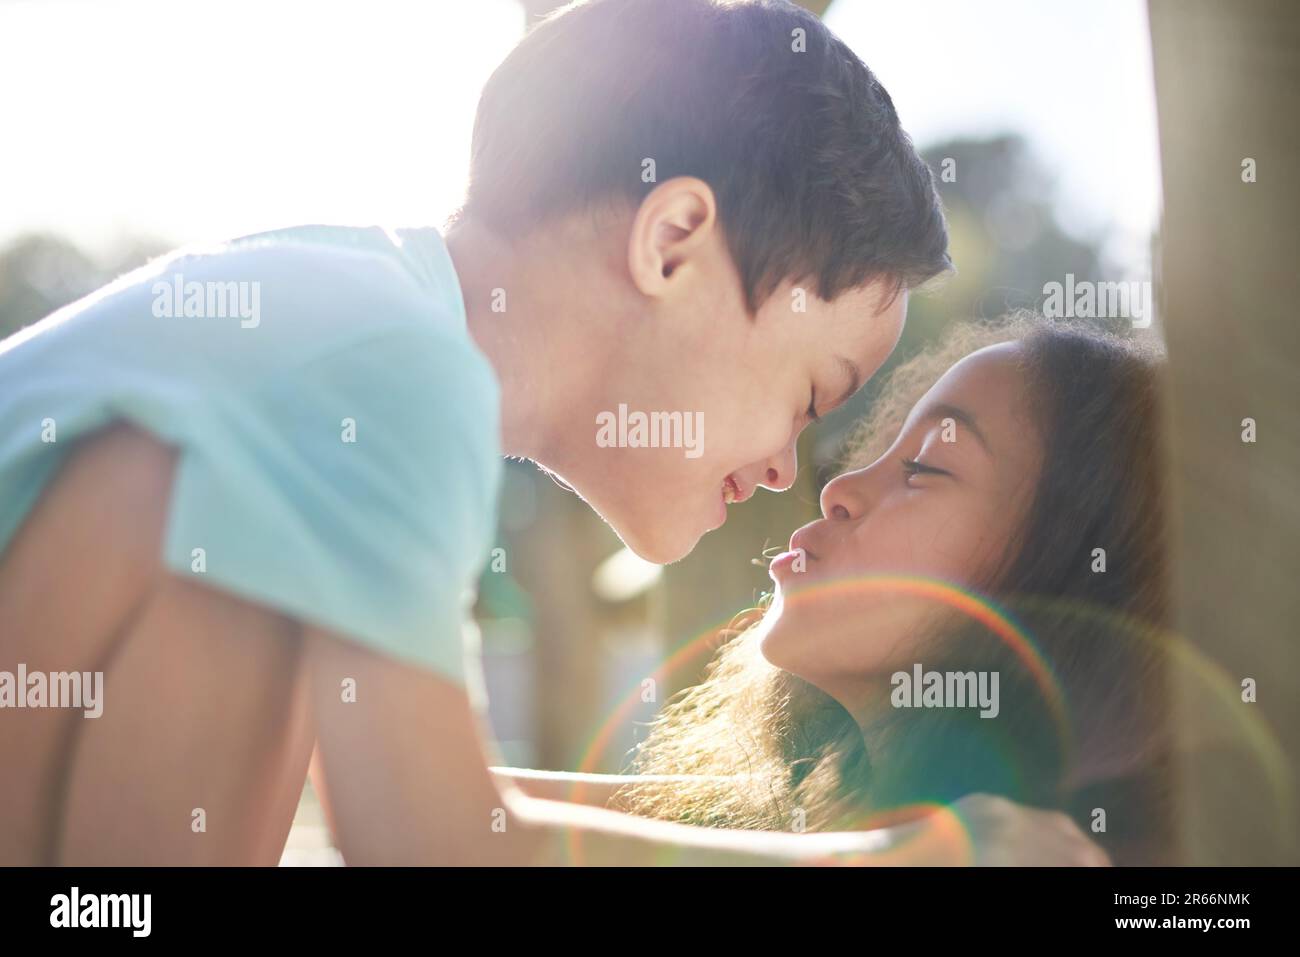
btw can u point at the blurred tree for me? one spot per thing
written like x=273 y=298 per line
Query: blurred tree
x=1005 y=244
x=39 y=273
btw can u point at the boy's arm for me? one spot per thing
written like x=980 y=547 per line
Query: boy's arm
x=407 y=782
x=980 y=828
x=591 y=789
x=574 y=786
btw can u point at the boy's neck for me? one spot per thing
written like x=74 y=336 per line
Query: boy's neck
x=518 y=330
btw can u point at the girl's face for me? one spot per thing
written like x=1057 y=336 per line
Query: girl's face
x=944 y=502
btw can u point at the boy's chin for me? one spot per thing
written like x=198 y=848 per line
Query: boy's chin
x=662 y=544
x=660 y=551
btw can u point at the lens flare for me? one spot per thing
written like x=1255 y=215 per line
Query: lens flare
x=945 y=823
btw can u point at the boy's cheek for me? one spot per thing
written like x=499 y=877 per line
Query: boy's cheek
x=765 y=434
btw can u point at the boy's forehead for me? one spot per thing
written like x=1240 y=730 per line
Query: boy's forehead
x=867 y=330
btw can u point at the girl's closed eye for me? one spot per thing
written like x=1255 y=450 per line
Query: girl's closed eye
x=911 y=467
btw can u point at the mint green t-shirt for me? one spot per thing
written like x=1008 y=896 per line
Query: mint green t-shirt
x=337 y=430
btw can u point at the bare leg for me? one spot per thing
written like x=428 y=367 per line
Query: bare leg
x=205 y=703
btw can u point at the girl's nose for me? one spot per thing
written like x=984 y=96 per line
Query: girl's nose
x=845 y=496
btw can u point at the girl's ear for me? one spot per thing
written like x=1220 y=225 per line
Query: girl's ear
x=670 y=228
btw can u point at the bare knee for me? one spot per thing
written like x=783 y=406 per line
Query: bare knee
x=202 y=750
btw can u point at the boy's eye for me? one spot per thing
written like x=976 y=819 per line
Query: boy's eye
x=812 y=407
x=913 y=467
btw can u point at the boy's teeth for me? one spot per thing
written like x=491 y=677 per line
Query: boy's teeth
x=728 y=492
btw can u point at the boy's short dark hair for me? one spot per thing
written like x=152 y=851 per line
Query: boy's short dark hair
x=814 y=177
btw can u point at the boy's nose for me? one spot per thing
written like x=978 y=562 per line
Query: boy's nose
x=779 y=471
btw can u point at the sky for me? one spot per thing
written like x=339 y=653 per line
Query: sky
x=193 y=119
x=200 y=119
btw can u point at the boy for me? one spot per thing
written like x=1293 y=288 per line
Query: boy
x=260 y=521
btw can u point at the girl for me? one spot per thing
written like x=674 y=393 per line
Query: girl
x=1005 y=544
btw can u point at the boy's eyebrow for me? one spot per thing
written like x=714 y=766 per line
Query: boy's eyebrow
x=945 y=411
x=853 y=374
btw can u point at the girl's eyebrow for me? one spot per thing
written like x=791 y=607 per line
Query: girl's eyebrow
x=946 y=411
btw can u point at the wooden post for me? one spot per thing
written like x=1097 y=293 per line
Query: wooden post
x=1227 y=80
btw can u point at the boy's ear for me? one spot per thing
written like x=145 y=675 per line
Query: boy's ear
x=670 y=229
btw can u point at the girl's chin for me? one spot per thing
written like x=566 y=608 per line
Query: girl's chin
x=791 y=578
x=785 y=651
x=781 y=641
x=771 y=648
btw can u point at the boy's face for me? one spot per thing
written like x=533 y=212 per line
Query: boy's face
x=737 y=390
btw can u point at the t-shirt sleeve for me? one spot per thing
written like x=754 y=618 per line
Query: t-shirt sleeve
x=357 y=492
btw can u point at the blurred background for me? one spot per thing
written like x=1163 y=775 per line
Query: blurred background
x=133 y=126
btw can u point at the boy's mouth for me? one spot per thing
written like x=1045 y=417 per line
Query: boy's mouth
x=731 y=491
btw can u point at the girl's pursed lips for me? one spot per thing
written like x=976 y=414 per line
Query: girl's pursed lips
x=799 y=542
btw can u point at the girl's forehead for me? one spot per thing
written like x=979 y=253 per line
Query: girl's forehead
x=987 y=390
x=984 y=379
